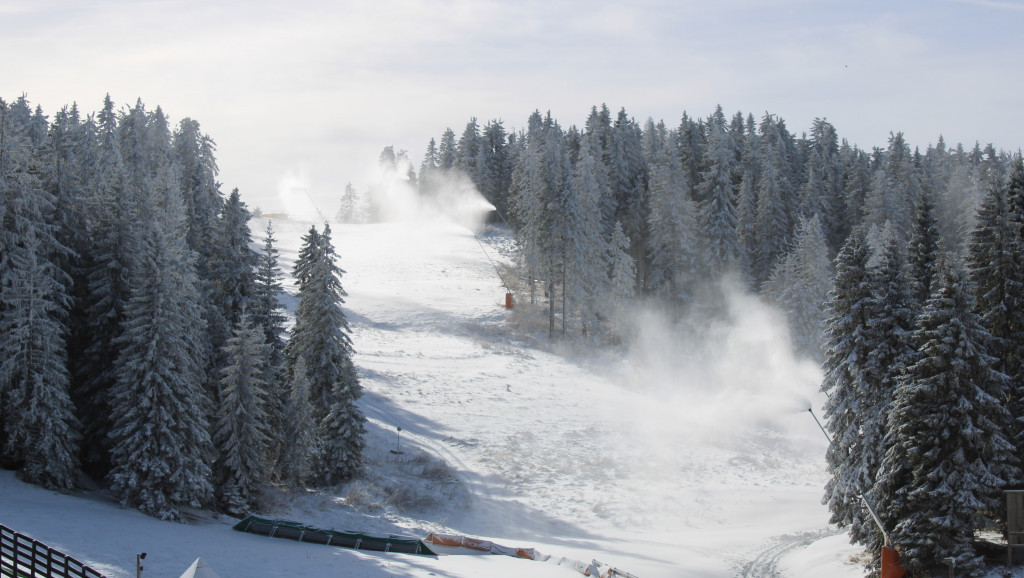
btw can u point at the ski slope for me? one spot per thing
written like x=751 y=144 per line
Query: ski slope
x=667 y=458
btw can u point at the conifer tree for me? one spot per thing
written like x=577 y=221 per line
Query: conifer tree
x=924 y=250
x=586 y=278
x=111 y=211
x=192 y=163
x=800 y=283
x=852 y=396
x=996 y=262
x=347 y=206
x=772 y=228
x=467 y=157
x=431 y=162
x=267 y=314
x=719 y=223
x=160 y=444
x=38 y=427
x=937 y=494
x=692 y=139
x=242 y=430
x=673 y=227
x=235 y=259
x=599 y=128
x=299 y=433
x=541 y=176
x=629 y=175
x=447 y=151
x=746 y=196
x=320 y=337
x=495 y=170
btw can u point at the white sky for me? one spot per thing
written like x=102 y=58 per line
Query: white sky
x=307 y=93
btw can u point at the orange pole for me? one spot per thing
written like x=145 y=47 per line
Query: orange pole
x=508 y=300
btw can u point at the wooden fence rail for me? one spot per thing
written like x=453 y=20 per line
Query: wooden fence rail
x=21 y=556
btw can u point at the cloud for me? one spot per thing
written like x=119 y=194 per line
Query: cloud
x=331 y=83
x=1006 y=5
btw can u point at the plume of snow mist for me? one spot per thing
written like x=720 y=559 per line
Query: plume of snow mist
x=721 y=376
x=293 y=190
x=440 y=195
x=392 y=197
x=454 y=196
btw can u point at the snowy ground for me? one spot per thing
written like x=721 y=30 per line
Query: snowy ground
x=659 y=461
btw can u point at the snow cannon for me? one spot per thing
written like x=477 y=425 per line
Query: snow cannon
x=509 y=302
x=891 y=567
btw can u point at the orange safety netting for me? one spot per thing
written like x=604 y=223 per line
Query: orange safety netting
x=456 y=541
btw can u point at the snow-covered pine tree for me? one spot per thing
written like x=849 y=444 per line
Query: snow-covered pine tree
x=925 y=251
x=823 y=159
x=430 y=163
x=347 y=205
x=195 y=168
x=112 y=214
x=746 y=195
x=160 y=444
x=535 y=182
x=235 y=259
x=800 y=283
x=855 y=181
x=71 y=158
x=894 y=309
x=299 y=433
x=851 y=394
x=773 y=227
x=467 y=158
x=674 y=246
x=996 y=262
x=692 y=138
x=495 y=170
x=320 y=337
x=628 y=172
x=586 y=278
x=447 y=151
x=267 y=314
x=342 y=431
x=243 y=430
x=719 y=224
x=948 y=459
x=896 y=189
x=599 y=128
x=37 y=423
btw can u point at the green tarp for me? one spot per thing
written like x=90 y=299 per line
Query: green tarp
x=356 y=540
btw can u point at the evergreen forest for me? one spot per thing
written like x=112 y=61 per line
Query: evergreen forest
x=144 y=343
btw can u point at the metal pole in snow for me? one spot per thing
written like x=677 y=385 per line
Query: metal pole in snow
x=867 y=504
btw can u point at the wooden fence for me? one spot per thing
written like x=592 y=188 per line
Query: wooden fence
x=22 y=556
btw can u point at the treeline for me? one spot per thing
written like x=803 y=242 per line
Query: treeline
x=613 y=212
x=143 y=342
x=902 y=270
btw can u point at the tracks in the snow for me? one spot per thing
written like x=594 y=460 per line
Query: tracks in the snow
x=766 y=563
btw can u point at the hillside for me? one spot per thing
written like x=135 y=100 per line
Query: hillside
x=690 y=453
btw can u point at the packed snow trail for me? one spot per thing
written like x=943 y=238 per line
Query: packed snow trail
x=551 y=445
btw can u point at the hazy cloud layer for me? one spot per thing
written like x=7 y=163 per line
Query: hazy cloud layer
x=321 y=87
